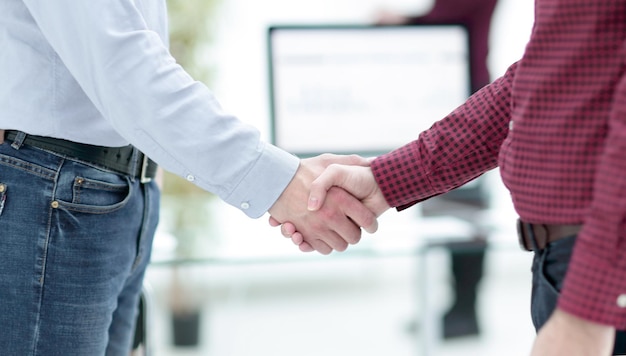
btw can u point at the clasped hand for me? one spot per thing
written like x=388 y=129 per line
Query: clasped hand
x=327 y=203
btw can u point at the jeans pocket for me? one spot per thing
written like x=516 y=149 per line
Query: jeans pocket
x=94 y=192
x=544 y=294
x=89 y=190
x=549 y=269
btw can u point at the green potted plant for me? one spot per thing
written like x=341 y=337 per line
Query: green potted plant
x=185 y=206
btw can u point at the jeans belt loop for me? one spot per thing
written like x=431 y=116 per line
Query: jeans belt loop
x=144 y=170
x=535 y=237
x=526 y=236
x=19 y=140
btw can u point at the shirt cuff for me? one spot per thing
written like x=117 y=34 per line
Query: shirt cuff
x=401 y=177
x=594 y=288
x=265 y=182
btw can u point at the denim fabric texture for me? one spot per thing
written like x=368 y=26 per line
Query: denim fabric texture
x=549 y=269
x=75 y=241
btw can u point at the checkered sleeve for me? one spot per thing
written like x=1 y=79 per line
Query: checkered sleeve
x=595 y=286
x=455 y=150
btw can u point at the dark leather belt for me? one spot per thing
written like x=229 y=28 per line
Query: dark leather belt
x=535 y=237
x=125 y=160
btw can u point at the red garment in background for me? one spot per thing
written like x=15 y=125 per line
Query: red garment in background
x=476 y=15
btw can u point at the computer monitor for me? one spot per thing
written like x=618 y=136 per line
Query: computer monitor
x=362 y=89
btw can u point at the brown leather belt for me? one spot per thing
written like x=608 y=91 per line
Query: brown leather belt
x=535 y=237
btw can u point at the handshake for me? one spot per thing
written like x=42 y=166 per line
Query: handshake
x=328 y=201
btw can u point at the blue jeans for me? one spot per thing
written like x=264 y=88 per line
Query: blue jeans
x=75 y=241
x=549 y=268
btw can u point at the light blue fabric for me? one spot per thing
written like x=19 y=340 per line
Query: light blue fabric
x=99 y=72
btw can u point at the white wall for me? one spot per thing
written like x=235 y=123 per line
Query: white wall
x=238 y=54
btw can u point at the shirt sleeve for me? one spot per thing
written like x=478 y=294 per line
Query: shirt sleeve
x=455 y=150
x=595 y=284
x=128 y=73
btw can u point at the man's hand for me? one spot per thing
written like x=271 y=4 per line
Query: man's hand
x=331 y=227
x=357 y=180
x=1 y=137
x=566 y=334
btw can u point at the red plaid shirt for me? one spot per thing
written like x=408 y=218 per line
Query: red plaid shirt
x=555 y=124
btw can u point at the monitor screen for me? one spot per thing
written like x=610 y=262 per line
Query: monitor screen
x=363 y=89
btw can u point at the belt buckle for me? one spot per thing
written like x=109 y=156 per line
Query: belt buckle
x=144 y=169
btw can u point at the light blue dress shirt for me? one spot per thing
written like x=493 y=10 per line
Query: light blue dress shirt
x=99 y=72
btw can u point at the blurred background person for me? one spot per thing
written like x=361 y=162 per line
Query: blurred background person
x=467 y=257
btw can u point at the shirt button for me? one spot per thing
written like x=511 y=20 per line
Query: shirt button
x=621 y=301
x=245 y=205
x=511 y=125
x=190 y=178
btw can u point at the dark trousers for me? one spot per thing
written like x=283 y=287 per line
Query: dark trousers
x=549 y=268
x=467 y=262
